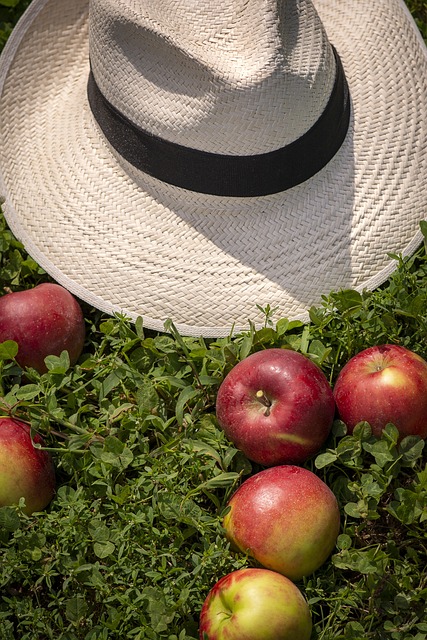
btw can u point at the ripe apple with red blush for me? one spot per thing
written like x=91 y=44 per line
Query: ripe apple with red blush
x=255 y=604
x=25 y=471
x=384 y=384
x=43 y=321
x=276 y=406
x=286 y=518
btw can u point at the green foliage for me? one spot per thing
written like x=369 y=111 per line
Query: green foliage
x=10 y=11
x=143 y=471
x=132 y=541
x=379 y=567
x=418 y=8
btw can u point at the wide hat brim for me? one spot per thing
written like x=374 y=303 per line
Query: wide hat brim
x=209 y=262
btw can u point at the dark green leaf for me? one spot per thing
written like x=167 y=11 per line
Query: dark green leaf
x=9 y=519
x=75 y=609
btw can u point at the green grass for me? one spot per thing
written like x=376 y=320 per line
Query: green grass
x=132 y=542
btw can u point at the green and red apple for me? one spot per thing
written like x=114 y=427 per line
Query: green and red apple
x=286 y=518
x=276 y=406
x=384 y=384
x=43 y=321
x=25 y=471
x=255 y=604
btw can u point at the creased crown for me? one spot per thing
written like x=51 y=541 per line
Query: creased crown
x=228 y=76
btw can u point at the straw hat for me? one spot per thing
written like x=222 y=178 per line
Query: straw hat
x=193 y=160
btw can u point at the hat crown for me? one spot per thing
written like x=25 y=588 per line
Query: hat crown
x=239 y=78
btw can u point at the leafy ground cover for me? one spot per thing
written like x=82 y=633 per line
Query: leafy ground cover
x=133 y=542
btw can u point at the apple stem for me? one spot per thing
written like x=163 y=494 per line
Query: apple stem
x=264 y=400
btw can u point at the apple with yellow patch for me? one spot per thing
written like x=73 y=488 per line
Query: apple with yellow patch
x=286 y=518
x=255 y=604
x=276 y=406
x=25 y=471
x=384 y=384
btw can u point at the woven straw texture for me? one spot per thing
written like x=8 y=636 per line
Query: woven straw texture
x=125 y=242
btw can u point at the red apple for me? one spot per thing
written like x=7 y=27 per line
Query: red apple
x=276 y=406
x=255 y=604
x=25 y=472
x=45 y=320
x=286 y=518
x=384 y=384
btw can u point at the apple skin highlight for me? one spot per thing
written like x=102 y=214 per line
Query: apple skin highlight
x=255 y=604
x=276 y=406
x=286 y=518
x=384 y=384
